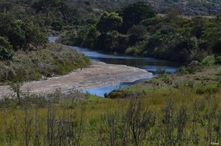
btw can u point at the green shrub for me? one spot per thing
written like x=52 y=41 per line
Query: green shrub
x=218 y=59
x=213 y=88
x=116 y=94
x=208 y=61
x=132 y=51
x=5 y=49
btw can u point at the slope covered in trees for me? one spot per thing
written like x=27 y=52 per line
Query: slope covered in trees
x=136 y=29
x=25 y=53
x=122 y=27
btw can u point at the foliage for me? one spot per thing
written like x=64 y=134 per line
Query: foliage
x=186 y=112
x=133 y=14
x=208 y=61
x=132 y=51
x=136 y=34
x=5 y=49
x=171 y=37
x=21 y=34
x=109 y=22
x=39 y=64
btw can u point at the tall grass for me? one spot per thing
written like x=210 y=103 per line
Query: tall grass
x=51 y=61
x=160 y=118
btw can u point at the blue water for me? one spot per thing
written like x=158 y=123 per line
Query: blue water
x=147 y=63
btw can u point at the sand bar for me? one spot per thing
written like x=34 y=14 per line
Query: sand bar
x=98 y=74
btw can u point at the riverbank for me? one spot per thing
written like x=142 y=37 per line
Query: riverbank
x=98 y=74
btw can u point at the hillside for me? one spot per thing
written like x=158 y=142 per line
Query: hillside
x=25 y=52
x=187 y=7
x=181 y=109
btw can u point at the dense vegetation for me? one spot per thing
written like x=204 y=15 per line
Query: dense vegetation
x=25 y=53
x=135 y=27
x=137 y=30
x=168 y=110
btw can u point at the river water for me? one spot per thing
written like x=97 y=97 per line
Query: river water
x=149 y=64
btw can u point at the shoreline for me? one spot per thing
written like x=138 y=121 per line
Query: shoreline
x=98 y=74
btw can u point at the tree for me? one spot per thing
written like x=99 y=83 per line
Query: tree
x=133 y=14
x=45 y=6
x=34 y=35
x=69 y=14
x=108 y=22
x=6 y=20
x=17 y=34
x=5 y=49
x=136 y=33
x=6 y=7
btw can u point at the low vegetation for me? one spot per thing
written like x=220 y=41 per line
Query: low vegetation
x=34 y=65
x=182 y=109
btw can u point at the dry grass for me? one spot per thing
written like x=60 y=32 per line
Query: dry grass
x=33 y=65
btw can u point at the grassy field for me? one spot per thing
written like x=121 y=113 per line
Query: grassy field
x=168 y=110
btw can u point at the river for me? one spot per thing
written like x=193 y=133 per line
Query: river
x=149 y=64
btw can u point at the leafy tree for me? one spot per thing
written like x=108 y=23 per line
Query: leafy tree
x=57 y=25
x=88 y=37
x=133 y=14
x=69 y=14
x=6 y=7
x=13 y=30
x=108 y=22
x=198 y=25
x=216 y=48
x=5 y=49
x=6 y=20
x=34 y=36
x=45 y=6
x=17 y=34
x=136 y=33
x=56 y=9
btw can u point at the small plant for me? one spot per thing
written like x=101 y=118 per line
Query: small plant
x=208 y=61
x=16 y=88
x=132 y=51
x=161 y=71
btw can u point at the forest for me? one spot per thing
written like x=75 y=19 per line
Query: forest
x=177 y=109
x=171 y=37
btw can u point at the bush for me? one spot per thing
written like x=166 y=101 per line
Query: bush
x=6 y=52
x=208 y=61
x=116 y=94
x=218 y=59
x=132 y=51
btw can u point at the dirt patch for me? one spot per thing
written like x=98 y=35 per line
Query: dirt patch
x=98 y=74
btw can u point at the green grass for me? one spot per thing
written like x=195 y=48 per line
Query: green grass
x=167 y=110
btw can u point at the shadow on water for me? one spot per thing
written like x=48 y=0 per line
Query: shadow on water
x=147 y=63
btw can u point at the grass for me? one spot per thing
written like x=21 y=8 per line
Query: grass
x=168 y=110
x=33 y=65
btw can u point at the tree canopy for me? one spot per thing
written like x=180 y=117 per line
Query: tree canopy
x=133 y=14
x=108 y=22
